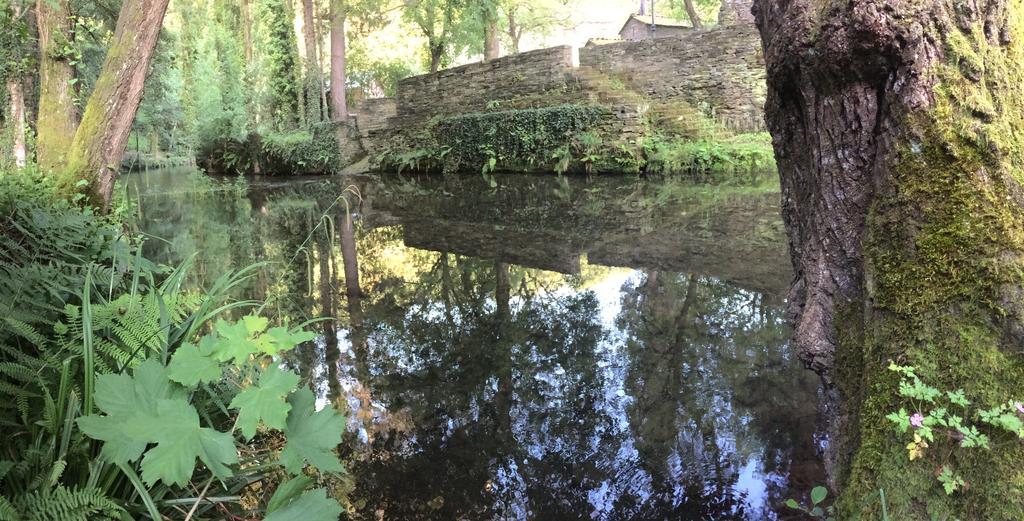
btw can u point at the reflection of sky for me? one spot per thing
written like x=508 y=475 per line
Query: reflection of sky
x=594 y=430
x=543 y=437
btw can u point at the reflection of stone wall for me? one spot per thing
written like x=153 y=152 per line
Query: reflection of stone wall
x=720 y=71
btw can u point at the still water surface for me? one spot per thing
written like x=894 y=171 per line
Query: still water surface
x=609 y=349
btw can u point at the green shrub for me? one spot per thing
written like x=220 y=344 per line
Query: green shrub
x=740 y=159
x=300 y=152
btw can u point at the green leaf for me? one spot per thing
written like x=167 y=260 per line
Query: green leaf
x=147 y=408
x=818 y=494
x=180 y=440
x=791 y=503
x=234 y=343
x=192 y=364
x=128 y=400
x=288 y=491
x=255 y=324
x=278 y=339
x=265 y=402
x=311 y=435
x=311 y=506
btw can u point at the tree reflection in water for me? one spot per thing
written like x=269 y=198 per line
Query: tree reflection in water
x=479 y=388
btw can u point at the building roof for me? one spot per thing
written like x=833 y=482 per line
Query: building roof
x=659 y=21
x=603 y=41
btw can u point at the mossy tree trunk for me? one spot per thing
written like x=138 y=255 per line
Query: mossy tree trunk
x=339 y=104
x=98 y=146
x=57 y=115
x=313 y=112
x=16 y=115
x=897 y=130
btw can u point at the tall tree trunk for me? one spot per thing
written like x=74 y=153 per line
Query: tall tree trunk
x=312 y=64
x=492 y=45
x=17 y=122
x=247 y=22
x=58 y=116
x=339 y=104
x=692 y=13
x=896 y=131
x=98 y=146
x=514 y=32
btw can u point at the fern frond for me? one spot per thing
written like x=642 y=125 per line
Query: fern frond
x=63 y=504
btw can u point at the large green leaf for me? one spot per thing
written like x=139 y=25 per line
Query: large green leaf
x=310 y=506
x=311 y=435
x=235 y=342
x=265 y=402
x=192 y=364
x=128 y=400
x=147 y=408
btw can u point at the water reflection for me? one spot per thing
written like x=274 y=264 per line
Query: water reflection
x=608 y=349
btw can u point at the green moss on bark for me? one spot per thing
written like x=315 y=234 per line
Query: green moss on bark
x=945 y=240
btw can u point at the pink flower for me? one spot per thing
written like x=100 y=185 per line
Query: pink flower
x=917 y=420
x=1020 y=407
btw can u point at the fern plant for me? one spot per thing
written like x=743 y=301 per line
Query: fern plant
x=85 y=315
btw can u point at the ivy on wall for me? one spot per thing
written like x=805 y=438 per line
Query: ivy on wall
x=562 y=137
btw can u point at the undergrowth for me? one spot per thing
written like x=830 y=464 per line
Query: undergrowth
x=115 y=381
x=300 y=152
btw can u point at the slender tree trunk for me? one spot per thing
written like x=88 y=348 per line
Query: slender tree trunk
x=692 y=13
x=492 y=45
x=247 y=22
x=339 y=104
x=312 y=64
x=514 y=32
x=58 y=116
x=17 y=121
x=99 y=143
x=896 y=131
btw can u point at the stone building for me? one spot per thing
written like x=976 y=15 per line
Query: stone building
x=645 y=27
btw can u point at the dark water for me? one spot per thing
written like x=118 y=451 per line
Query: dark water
x=546 y=349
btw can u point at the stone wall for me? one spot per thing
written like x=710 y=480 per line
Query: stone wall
x=372 y=116
x=720 y=71
x=540 y=75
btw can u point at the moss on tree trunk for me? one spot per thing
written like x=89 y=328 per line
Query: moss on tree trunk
x=98 y=146
x=897 y=128
x=58 y=115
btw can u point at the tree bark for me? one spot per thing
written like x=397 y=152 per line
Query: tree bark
x=339 y=104
x=514 y=32
x=691 y=12
x=58 y=116
x=314 y=114
x=16 y=96
x=247 y=22
x=895 y=132
x=492 y=45
x=436 y=53
x=99 y=142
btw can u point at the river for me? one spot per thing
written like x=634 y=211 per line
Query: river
x=548 y=348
